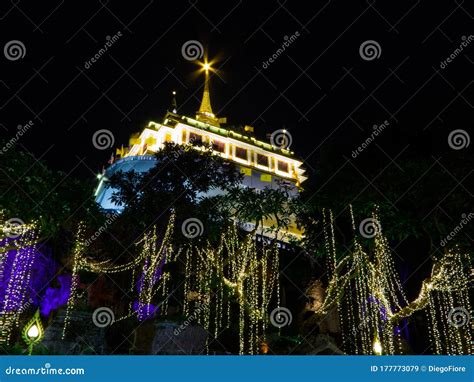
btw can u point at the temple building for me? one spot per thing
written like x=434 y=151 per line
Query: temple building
x=262 y=164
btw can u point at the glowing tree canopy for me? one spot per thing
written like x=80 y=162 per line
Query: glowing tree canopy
x=371 y=302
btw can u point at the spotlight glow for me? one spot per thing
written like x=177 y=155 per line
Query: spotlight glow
x=377 y=347
x=33 y=332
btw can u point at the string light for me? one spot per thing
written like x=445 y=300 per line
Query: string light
x=369 y=295
x=234 y=268
x=366 y=288
x=19 y=244
x=153 y=283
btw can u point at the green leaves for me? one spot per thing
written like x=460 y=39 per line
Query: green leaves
x=31 y=191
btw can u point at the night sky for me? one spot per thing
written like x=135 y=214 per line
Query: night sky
x=320 y=88
x=323 y=89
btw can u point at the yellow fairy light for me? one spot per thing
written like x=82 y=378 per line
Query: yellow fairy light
x=25 y=237
x=150 y=258
x=235 y=267
x=365 y=286
x=377 y=346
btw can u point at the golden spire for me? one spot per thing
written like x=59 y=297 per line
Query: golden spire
x=205 y=113
x=206 y=97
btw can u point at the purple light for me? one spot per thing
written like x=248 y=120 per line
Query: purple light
x=145 y=311
x=156 y=274
x=42 y=274
x=56 y=297
x=14 y=276
x=25 y=278
x=382 y=309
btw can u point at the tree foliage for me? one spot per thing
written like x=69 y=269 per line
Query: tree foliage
x=31 y=191
x=419 y=198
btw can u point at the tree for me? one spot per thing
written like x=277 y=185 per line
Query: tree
x=185 y=179
x=269 y=209
x=421 y=199
x=31 y=191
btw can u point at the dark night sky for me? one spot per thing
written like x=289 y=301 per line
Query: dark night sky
x=319 y=88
